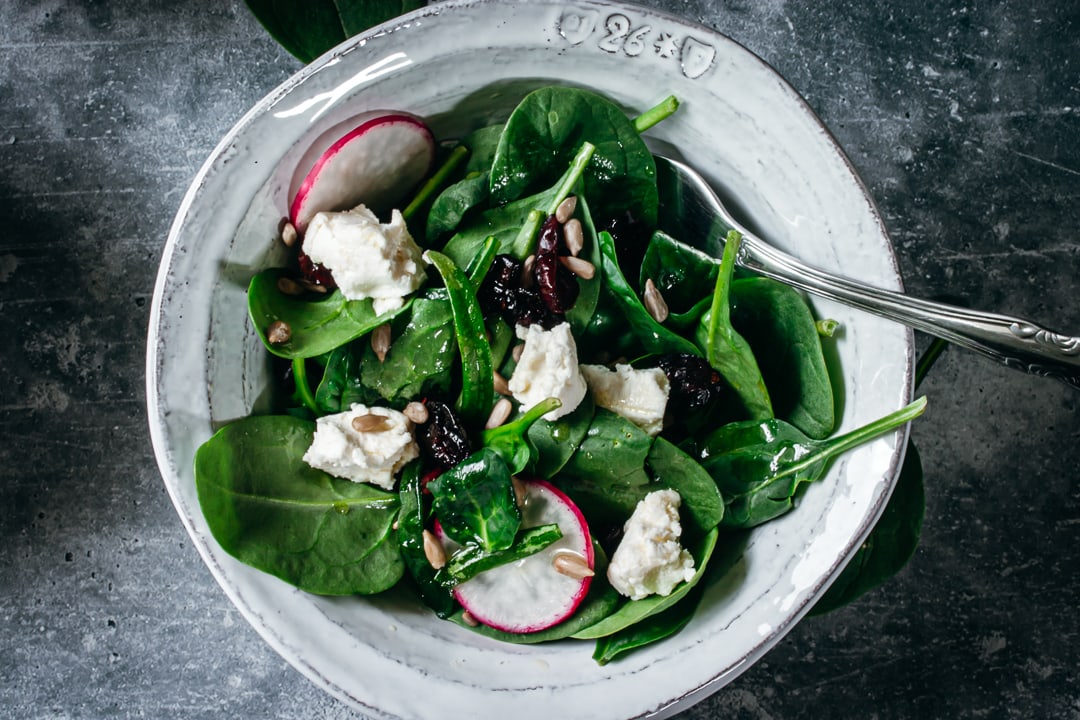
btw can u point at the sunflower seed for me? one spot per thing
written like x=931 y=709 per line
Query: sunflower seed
x=654 y=302
x=288 y=234
x=566 y=209
x=499 y=414
x=528 y=275
x=417 y=412
x=582 y=268
x=380 y=341
x=571 y=565
x=279 y=332
x=433 y=550
x=501 y=386
x=574 y=236
x=370 y=423
x=288 y=286
x=516 y=352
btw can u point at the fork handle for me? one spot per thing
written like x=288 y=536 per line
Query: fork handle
x=1017 y=343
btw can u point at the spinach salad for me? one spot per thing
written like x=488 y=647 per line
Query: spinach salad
x=542 y=229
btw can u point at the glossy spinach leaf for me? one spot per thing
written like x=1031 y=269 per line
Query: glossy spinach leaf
x=759 y=465
x=474 y=502
x=613 y=451
x=890 y=544
x=777 y=323
x=652 y=629
x=670 y=467
x=412 y=519
x=634 y=611
x=548 y=127
x=419 y=362
x=309 y=28
x=680 y=272
x=509 y=439
x=271 y=510
x=653 y=336
x=318 y=323
x=470 y=192
x=725 y=348
x=554 y=441
x=470 y=560
x=477 y=387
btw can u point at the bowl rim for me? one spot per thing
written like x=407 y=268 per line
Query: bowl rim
x=155 y=351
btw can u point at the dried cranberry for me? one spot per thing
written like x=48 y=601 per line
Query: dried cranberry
x=501 y=293
x=694 y=383
x=443 y=439
x=558 y=288
x=315 y=273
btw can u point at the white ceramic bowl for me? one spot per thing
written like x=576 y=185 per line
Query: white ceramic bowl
x=462 y=65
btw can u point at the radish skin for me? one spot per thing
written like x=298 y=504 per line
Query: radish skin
x=531 y=594
x=376 y=163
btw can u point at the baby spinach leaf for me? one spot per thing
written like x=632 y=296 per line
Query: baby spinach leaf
x=471 y=560
x=634 y=611
x=474 y=502
x=651 y=630
x=759 y=465
x=412 y=519
x=546 y=129
x=508 y=439
x=309 y=28
x=678 y=270
x=890 y=544
x=471 y=191
x=656 y=338
x=477 y=385
x=419 y=361
x=581 y=313
x=726 y=350
x=318 y=324
x=271 y=510
x=670 y=467
x=613 y=451
x=554 y=441
x=777 y=323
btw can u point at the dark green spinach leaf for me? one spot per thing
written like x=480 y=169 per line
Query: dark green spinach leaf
x=652 y=629
x=546 y=129
x=759 y=465
x=269 y=509
x=412 y=519
x=474 y=502
x=318 y=324
x=310 y=28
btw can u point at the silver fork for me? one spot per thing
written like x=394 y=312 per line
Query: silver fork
x=1017 y=343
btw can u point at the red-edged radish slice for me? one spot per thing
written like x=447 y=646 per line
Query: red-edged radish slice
x=531 y=594
x=375 y=163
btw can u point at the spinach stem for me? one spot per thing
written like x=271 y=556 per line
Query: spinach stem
x=525 y=242
x=456 y=157
x=299 y=368
x=928 y=359
x=720 y=310
x=665 y=109
x=842 y=443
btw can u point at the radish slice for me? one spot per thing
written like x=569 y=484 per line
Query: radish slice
x=531 y=595
x=375 y=163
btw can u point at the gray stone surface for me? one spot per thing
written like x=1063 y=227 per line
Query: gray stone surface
x=963 y=119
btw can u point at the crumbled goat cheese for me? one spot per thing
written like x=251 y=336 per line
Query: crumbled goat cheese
x=640 y=396
x=548 y=368
x=649 y=559
x=368 y=259
x=372 y=456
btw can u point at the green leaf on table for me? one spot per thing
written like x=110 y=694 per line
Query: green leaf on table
x=308 y=28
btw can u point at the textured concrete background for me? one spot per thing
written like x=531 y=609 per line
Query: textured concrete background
x=963 y=119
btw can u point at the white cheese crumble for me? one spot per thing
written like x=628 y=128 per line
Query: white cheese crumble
x=640 y=396
x=373 y=456
x=649 y=559
x=368 y=259
x=548 y=368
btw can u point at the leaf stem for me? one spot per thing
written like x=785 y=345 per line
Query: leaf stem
x=299 y=368
x=665 y=109
x=453 y=160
